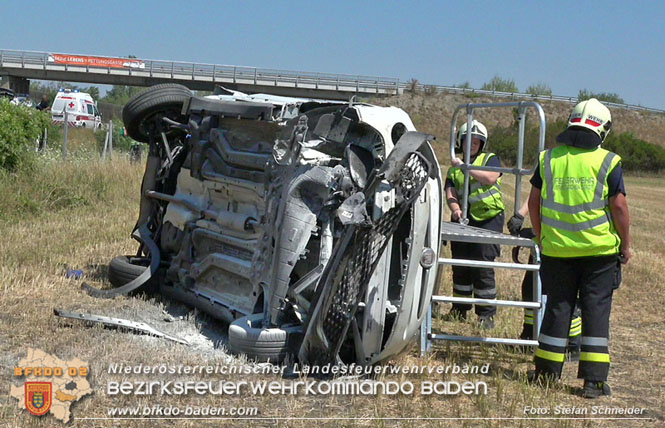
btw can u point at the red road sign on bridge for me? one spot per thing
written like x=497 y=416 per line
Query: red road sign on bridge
x=96 y=61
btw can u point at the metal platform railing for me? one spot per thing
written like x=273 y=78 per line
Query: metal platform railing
x=460 y=232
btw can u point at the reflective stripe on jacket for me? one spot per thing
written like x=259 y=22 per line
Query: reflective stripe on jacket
x=485 y=201
x=575 y=215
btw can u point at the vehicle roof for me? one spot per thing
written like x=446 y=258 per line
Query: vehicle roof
x=73 y=94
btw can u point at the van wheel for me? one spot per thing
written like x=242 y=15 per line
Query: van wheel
x=124 y=269
x=141 y=110
x=247 y=336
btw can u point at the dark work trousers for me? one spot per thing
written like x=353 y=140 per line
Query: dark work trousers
x=476 y=282
x=594 y=280
x=575 y=332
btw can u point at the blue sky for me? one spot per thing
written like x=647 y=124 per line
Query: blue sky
x=600 y=46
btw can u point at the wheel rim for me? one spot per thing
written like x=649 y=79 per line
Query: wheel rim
x=149 y=126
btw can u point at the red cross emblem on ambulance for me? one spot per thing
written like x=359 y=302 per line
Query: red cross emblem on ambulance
x=71 y=105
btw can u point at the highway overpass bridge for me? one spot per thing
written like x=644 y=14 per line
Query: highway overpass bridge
x=18 y=67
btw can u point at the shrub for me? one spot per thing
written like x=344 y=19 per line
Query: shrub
x=429 y=90
x=413 y=86
x=539 y=89
x=503 y=142
x=20 y=127
x=636 y=154
x=609 y=97
x=500 y=84
x=120 y=94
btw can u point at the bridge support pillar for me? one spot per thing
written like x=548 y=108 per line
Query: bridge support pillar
x=20 y=85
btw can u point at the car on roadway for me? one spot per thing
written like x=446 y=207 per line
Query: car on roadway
x=6 y=93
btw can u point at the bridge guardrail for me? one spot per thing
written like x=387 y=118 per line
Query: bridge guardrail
x=532 y=97
x=215 y=72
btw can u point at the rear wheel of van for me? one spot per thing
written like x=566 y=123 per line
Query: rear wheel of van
x=143 y=113
x=247 y=336
x=125 y=269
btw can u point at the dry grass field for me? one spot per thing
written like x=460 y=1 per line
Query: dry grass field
x=79 y=214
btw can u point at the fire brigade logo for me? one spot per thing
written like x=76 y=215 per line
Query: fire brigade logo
x=38 y=397
x=50 y=385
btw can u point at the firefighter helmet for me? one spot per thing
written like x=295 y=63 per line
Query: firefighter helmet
x=593 y=115
x=477 y=130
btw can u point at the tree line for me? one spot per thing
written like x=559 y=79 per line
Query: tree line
x=118 y=95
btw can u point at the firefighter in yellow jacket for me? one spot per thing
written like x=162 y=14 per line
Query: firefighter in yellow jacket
x=486 y=210
x=579 y=213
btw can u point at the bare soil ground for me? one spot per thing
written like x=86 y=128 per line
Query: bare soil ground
x=36 y=249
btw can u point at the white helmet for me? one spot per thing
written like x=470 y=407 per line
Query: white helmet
x=592 y=115
x=477 y=130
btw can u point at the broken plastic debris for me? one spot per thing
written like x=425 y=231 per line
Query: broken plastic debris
x=74 y=273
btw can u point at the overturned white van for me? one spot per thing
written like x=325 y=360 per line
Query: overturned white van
x=309 y=225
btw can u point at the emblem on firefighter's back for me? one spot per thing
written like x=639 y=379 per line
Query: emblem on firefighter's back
x=38 y=397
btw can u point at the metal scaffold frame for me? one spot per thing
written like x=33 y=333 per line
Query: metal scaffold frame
x=460 y=232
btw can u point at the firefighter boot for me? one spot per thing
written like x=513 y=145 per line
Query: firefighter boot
x=594 y=389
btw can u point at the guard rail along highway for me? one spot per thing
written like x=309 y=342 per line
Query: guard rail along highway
x=521 y=96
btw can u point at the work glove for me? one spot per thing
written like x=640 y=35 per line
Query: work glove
x=515 y=224
x=456 y=162
x=524 y=233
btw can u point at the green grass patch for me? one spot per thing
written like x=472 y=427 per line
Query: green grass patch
x=52 y=185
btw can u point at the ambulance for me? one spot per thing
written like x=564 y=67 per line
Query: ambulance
x=80 y=107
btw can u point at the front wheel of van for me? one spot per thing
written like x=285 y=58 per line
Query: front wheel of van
x=248 y=336
x=142 y=112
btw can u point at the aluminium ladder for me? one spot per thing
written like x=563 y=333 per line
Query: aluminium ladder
x=461 y=232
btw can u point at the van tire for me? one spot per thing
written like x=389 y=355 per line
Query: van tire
x=246 y=336
x=164 y=100
x=124 y=269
